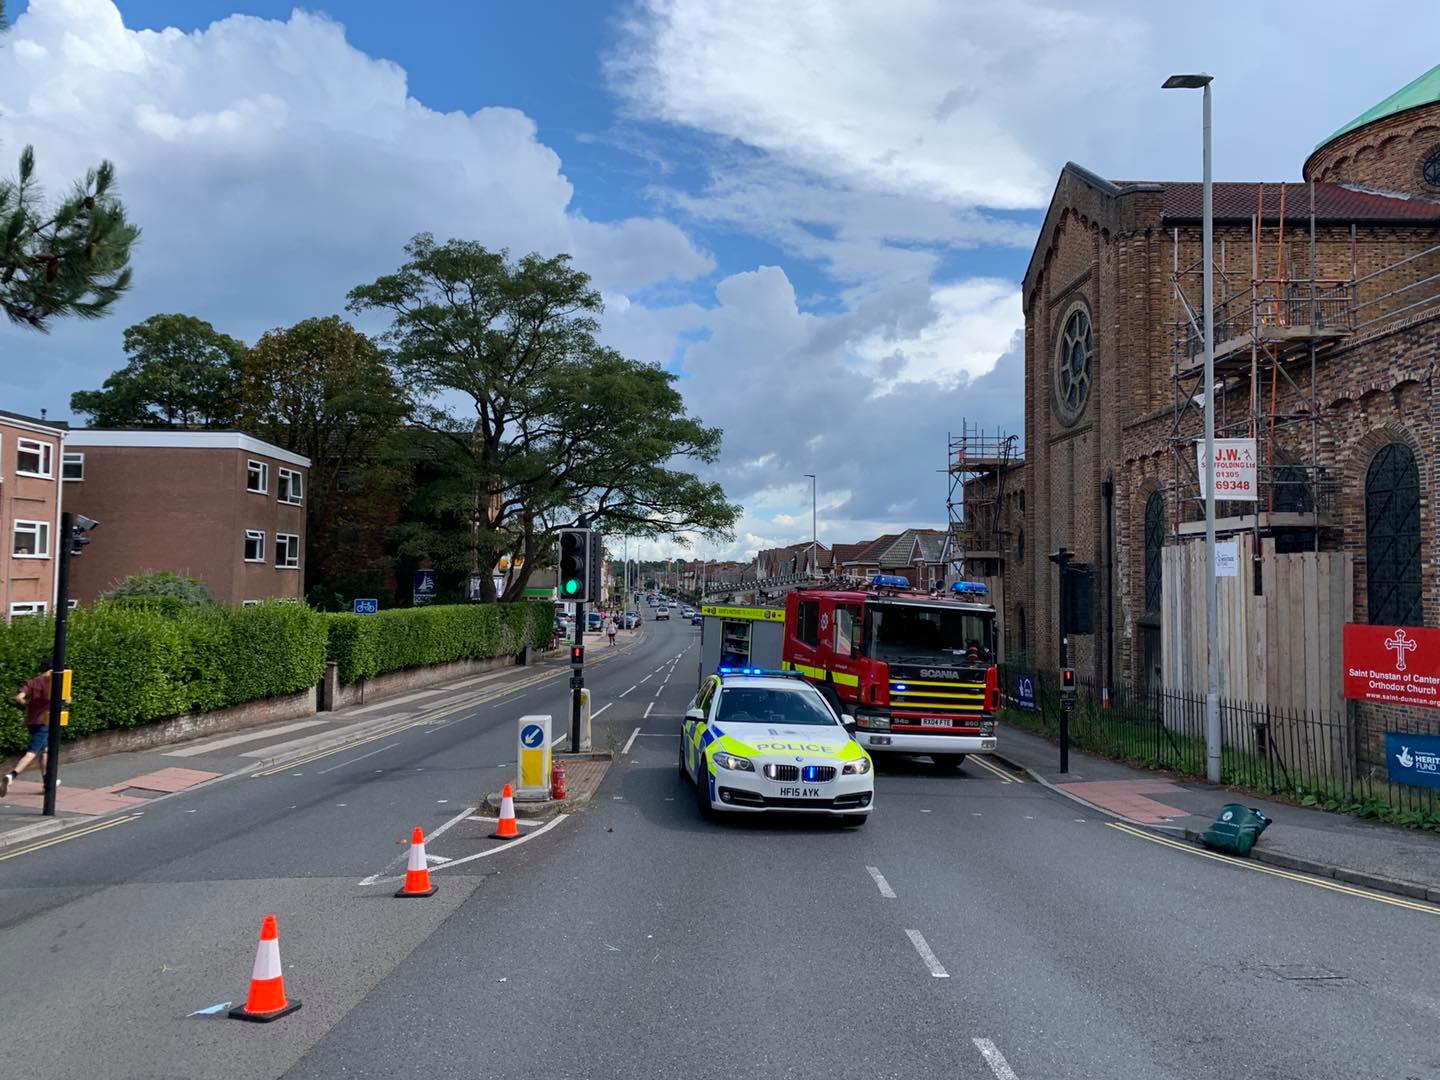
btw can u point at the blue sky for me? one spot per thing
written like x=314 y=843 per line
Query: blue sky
x=816 y=213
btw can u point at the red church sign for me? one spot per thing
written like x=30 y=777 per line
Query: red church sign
x=1399 y=665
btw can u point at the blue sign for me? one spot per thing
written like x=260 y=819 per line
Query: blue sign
x=366 y=607
x=1413 y=759
x=531 y=736
x=424 y=590
x=1025 y=692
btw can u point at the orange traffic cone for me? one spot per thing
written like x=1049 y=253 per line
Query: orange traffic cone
x=1105 y=697
x=506 y=828
x=417 y=870
x=267 y=986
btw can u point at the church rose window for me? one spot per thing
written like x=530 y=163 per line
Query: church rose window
x=1072 y=365
x=1392 y=537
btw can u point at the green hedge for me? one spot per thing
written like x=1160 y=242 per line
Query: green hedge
x=135 y=663
x=364 y=646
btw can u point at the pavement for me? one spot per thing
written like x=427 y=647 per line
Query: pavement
x=1366 y=853
x=980 y=926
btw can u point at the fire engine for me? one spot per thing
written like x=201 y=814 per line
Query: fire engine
x=916 y=671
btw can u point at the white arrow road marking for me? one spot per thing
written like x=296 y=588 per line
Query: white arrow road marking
x=927 y=954
x=880 y=883
x=996 y=1060
x=430 y=839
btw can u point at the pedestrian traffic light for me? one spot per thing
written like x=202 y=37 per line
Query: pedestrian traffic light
x=1067 y=680
x=577 y=654
x=575 y=564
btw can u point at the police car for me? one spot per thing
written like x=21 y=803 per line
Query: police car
x=757 y=740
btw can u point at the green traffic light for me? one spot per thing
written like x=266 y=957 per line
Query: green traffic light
x=572 y=587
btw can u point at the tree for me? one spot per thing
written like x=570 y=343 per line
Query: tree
x=182 y=373
x=163 y=585
x=69 y=260
x=321 y=388
x=553 y=426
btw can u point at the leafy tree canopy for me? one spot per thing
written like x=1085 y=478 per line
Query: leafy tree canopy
x=182 y=373
x=163 y=585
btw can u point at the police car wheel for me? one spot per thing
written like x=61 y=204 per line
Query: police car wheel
x=948 y=761
x=684 y=769
x=702 y=793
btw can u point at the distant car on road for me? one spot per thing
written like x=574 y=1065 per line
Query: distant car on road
x=593 y=621
x=662 y=612
x=632 y=620
x=696 y=618
x=755 y=740
x=687 y=612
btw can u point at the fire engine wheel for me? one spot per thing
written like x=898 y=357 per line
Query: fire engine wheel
x=948 y=761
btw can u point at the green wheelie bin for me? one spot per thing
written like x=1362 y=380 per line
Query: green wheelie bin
x=1235 y=830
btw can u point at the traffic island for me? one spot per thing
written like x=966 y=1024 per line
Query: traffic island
x=584 y=773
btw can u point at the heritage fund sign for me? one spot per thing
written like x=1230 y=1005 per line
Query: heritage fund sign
x=1399 y=665
x=1235 y=470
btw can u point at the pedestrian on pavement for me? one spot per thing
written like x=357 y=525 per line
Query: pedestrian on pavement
x=34 y=698
x=610 y=629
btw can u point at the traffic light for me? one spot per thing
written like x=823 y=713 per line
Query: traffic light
x=575 y=547
x=1067 y=681
x=80 y=525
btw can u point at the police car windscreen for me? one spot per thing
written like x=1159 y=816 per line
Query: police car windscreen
x=903 y=634
x=760 y=705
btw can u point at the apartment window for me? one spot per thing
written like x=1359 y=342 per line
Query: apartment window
x=72 y=466
x=257 y=477
x=72 y=605
x=31 y=540
x=34 y=607
x=287 y=551
x=254 y=545
x=35 y=458
x=291 y=490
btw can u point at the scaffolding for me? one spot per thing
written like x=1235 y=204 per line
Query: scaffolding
x=1272 y=327
x=977 y=467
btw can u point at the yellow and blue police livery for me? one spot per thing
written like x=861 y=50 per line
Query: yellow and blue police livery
x=757 y=740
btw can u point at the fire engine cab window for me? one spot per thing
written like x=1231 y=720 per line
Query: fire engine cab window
x=757 y=705
x=847 y=631
x=915 y=635
x=807 y=626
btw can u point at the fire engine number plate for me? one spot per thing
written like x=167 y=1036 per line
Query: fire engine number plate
x=934 y=721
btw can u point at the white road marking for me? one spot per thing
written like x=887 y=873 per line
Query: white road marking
x=630 y=741
x=351 y=761
x=996 y=1060
x=658 y=689
x=436 y=858
x=602 y=708
x=560 y=738
x=647 y=711
x=627 y=691
x=927 y=954
x=236 y=740
x=880 y=883
x=648 y=677
x=513 y=843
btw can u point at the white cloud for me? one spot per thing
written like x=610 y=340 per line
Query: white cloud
x=272 y=167
x=973 y=324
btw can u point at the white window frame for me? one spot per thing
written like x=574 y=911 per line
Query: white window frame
x=30 y=607
x=283 y=542
x=72 y=604
x=42 y=529
x=264 y=468
x=251 y=603
x=46 y=450
x=254 y=534
x=68 y=458
x=288 y=484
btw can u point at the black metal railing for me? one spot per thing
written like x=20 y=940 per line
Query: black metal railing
x=1334 y=759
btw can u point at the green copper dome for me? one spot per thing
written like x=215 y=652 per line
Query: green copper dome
x=1423 y=91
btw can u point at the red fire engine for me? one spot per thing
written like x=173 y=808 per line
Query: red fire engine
x=916 y=671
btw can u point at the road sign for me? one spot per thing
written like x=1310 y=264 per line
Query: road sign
x=1235 y=470
x=1025 y=691
x=366 y=607
x=1413 y=759
x=424 y=588
x=532 y=752
x=1399 y=665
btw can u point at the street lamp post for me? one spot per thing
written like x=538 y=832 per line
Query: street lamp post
x=1207 y=243
x=814 y=566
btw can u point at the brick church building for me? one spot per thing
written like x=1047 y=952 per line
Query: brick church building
x=1327 y=295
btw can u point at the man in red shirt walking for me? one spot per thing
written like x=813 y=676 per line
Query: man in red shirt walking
x=34 y=698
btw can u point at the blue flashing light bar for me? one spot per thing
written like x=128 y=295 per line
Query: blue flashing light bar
x=970 y=588
x=889 y=581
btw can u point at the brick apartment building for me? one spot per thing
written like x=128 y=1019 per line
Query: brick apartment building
x=31 y=455
x=1327 y=339
x=219 y=506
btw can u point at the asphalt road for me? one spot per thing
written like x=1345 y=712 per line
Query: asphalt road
x=976 y=927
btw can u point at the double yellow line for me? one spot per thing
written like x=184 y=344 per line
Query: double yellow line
x=979 y=759
x=74 y=834
x=485 y=698
x=1289 y=875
